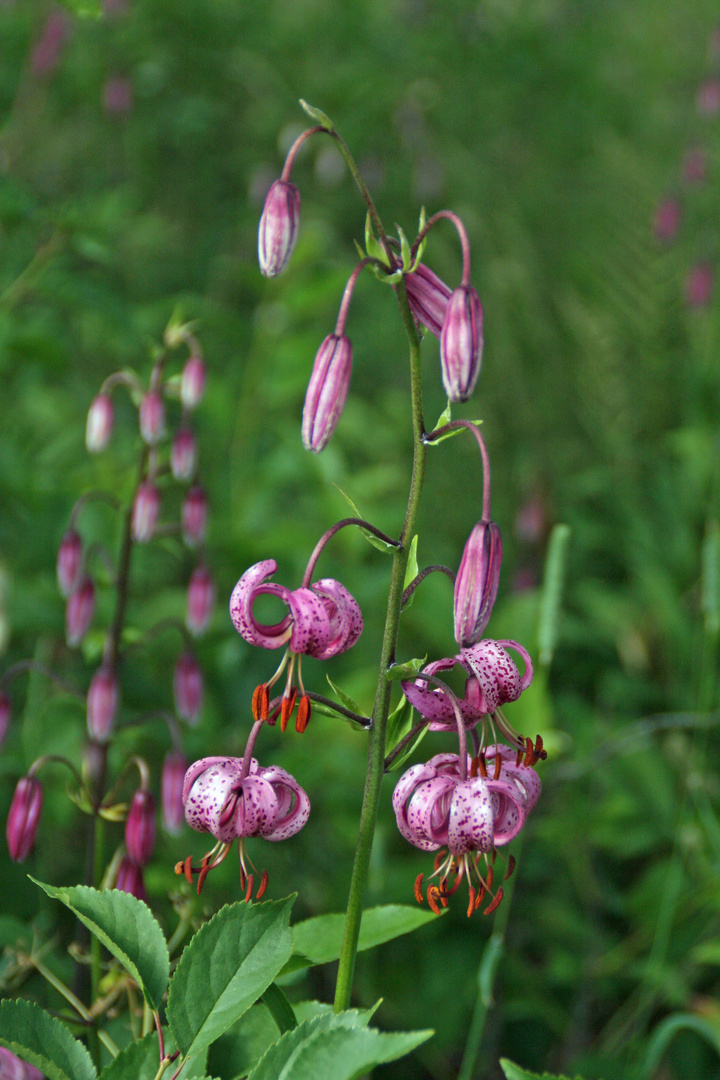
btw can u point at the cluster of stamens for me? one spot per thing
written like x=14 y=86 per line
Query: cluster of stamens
x=267 y=709
x=451 y=869
x=212 y=859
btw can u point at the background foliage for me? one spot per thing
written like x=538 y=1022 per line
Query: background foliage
x=132 y=172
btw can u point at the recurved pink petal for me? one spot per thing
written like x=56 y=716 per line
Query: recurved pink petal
x=310 y=632
x=471 y=824
x=509 y=807
x=428 y=810
x=523 y=776
x=251 y=585
x=256 y=809
x=346 y=621
x=293 y=805
x=209 y=793
x=496 y=671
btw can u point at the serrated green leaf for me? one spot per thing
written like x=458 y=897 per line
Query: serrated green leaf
x=138 y=1061
x=279 y=1053
x=226 y=967
x=317 y=115
x=515 y=1072
x=376 y=542
x=407 y=670
x=319 y=939
x=43 y=1041
x=411 y=570
x=344 y=698
x=127 y=928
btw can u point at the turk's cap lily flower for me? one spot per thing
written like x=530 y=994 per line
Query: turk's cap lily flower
x=79 y=612
x=99 y=423
x=493 y=680
x=322 y=621
x=183 y=455
x=102 y=703
x=194 y=516
x=145 y=511
x=327 y=391
x=140 y=827
x=192 y=383
x=476 y=584
x=279 y=227
x=428 y=298
x=461 y=343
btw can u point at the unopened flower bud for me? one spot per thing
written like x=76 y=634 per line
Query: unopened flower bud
x=146 y=508
x=173 y=774
x=428 y=298
x=99 y=424
x=188 y=688
x=130 y=879
x=699 y=285
x=200 y=600
x=278 y=227
x=461 y=343
x=667 y=220
x=79 y=612
x=476 y=584
x=69 y=559
x=194 y=516
x=152 y=417
x=192 y=384
x=326 y=392
x=140 y=827
x=183 y=456
x=23 y=818
x=5 y=714
x=102 y=701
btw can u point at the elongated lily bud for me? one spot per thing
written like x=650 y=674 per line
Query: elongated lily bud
x=140 y=827
x=278 y=227
x=461 y=343
x=102 y=701
x=476 y=584
x=79 y=612
x=99 y=424
x=23 y=818
x=192 y=384
x=146 y=508
x=173 y=774
x=5 y=713
x=183 y=456
x=194 y=516
x=130 y=879
x=326 y=392
x=428 y=298
x=188 y=688
x=152 y=417
x=69 y=559
x=200 y=600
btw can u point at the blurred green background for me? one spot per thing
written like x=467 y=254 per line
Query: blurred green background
x=135 y=152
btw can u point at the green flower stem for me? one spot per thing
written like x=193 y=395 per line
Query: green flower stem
x=376 y=741
x=374 y=216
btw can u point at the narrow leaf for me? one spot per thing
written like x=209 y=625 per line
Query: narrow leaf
x=43 y=1041
x=127 y=928
x=552 y=593
x=411 y=570
x=372 y=246
x=227 y=966
x=343 y=698
x=515 y=1072
x=318 y=116
x=410 y=749
x=710 y=590
x=319 y=939
x=408 y=670
x=376 y=542
x=281 y=1052
x=404 y=249
x=399 y=724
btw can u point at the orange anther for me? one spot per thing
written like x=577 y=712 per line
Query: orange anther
x=479 y=897
x=242 y=878
x=494 y=903
x=187 y=870
x=433 y=895
x=304 y=713
x=418 y=888
x=248 y=891
x=471 y=904
x=519 y=756
x=473 y=767
x=510 y=867
x=286 y=707
x=498 y=767
x=263 y=885
x=489 y=878
x=179 y=867
x=529 y=747
x=438 y=859
x=204 y=871
x=482 y=766
x=260 y=702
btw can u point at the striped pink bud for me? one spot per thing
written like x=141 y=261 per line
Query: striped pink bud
x=194 y=516
x=146 y=508
x=200 y=600
x=192 y=384
x=23 y=817
x=326 y=392
x=188 y=688
x=69 y=559
x=279 y=226
x=140 y=827
x=102 y=702
x=130 y=879
x=152 y=417
x=183 y=456
x=99 y=424
x=461 y=343
x=79 y=612
x=428 y=298
x=476 y=584
x=173 y=774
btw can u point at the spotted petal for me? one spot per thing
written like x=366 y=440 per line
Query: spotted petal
x=524 y=777
x=209 y=788
x=471 y=824
x=509 y=808
x=496 y=671
x=293 y=805
x=346 y=620
x=435 y=705
x=311 y=622
x=251 y=585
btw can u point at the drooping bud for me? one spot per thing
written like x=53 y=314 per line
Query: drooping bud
x=667 y=220
x=699 y=285
x=152 y=417
x=183 y=456
x=188 y=688
x=146 y=508
x=130 y=879
x=99 y=424
x=278 y=227
x=69 y=559
x=428 y=298
x=326 y=392
x=23 y=817
x=79 y=612
x=173 y=774
x=200 y=600
x=102 y=701
x=5 y=714
x=194 y=516
x=476 y=584
x=461 y=343
x=192 y=384
x=140 y=827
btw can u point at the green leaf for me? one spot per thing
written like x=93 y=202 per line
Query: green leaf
x=552 y=593
x=138 y=1061
x=227 y=966
x=445 y=418
x=710 y=584
x=423 y=244
x=127 y=928
x=318 y=116
x=376 y=542
x=43 y=1041
x=333 y=1046
x=344 y=698
x=319 y=939
x=409 y=750
x=515 y=1072
x=404 y=249
x=398 y=725
x=666 y=1031
x=373 y=247
x=411 y=570
x=408 y=670
x=86 y=9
